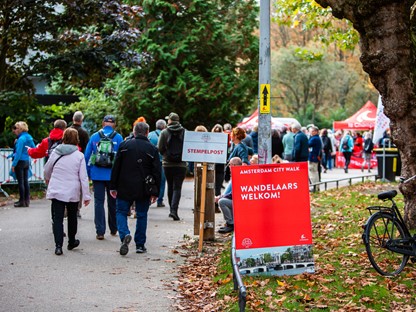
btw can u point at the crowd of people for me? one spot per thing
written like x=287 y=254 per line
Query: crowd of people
x=131 y=173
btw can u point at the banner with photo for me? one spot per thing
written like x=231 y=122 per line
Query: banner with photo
x=272 y=220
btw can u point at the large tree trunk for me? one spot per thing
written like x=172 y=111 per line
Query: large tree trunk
x=388 y=57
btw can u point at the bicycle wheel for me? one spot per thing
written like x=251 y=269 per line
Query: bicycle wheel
x=380 y=228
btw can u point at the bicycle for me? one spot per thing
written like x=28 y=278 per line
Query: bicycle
x=387 y=239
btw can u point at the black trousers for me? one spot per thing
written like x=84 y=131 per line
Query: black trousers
x=174 y=178
x=58 y=210
x=22 y=175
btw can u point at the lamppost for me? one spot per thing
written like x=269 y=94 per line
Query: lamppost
x=264 y=143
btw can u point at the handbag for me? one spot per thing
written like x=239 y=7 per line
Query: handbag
x=151 y=189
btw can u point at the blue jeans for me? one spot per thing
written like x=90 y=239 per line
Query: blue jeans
x=123 y=208
x=162 y=187
x=100 y=188
x=22 y=175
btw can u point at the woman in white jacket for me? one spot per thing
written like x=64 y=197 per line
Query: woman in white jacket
x=66 y=175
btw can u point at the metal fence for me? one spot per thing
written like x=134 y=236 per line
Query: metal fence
x=36 y=169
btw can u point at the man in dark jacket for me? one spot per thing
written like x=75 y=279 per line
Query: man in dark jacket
x=83 y=135
x=175 y=169
x=300 y=145
x=136 y=159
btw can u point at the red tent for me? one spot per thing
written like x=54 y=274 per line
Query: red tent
x=364 y=119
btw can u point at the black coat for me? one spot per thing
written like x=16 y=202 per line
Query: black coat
x=136 y=158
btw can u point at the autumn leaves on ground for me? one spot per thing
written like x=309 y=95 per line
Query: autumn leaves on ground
x=344 y=279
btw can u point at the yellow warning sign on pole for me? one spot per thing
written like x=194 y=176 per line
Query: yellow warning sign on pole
x=265 y=99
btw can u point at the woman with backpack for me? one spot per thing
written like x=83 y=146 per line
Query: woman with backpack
x=346 y=145
x=368 y=149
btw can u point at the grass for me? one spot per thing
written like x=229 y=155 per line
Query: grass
x=344 y=279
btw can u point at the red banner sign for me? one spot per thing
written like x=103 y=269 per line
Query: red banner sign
x=271 y=205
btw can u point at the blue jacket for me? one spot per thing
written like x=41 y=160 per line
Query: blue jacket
x=154 y=138
x=240 y=150
x=24 y=139
x=300 y=147
x=99 y=173
x=350 y=142
x=315 y=148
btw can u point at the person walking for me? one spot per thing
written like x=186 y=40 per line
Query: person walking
x=368 y=149
x=46 y=146
x=21 y=162
x=300 y=144
x=327 y=150
x=99 y=155
x=314 y=158
x=288 y=142
x=170 y=146
x=136 y=160
x=154 y=139
x=83 y=135
x=66 y=176
x=346 y=146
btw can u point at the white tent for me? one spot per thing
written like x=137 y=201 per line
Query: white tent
x=277 y=122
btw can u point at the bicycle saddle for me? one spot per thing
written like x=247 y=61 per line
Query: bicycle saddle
x=387 y=195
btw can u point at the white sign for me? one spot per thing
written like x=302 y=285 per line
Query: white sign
x=210 y=147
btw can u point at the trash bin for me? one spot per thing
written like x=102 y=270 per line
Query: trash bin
x=388 y=163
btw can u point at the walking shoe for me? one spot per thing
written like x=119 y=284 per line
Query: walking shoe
x=174 y=216
x=75 y=244
x=124 y=249
x=20 y=204
x=100 y=237
x=58 y=251
x=226 y=229
x=160 y=204
x=114 y=233
x=141 y=249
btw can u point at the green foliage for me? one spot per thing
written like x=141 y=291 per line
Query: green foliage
x=314 y=86
x=199 y=59
x=84 y=41
x=17 y=106
x=307 y=15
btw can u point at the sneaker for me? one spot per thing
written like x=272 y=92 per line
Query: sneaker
x=124 y=249
x=161 y=204
x=58 y=251
x=75 y=244
x=141 y=249
x=100 y=237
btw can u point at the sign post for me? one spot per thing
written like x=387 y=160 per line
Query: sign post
x=205 y=148
x=202 y=209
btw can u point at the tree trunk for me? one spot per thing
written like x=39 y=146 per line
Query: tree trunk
x=388 y=57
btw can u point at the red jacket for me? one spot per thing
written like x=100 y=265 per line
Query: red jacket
x=41 y=150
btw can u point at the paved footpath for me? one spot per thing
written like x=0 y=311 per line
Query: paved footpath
x=93 y=277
